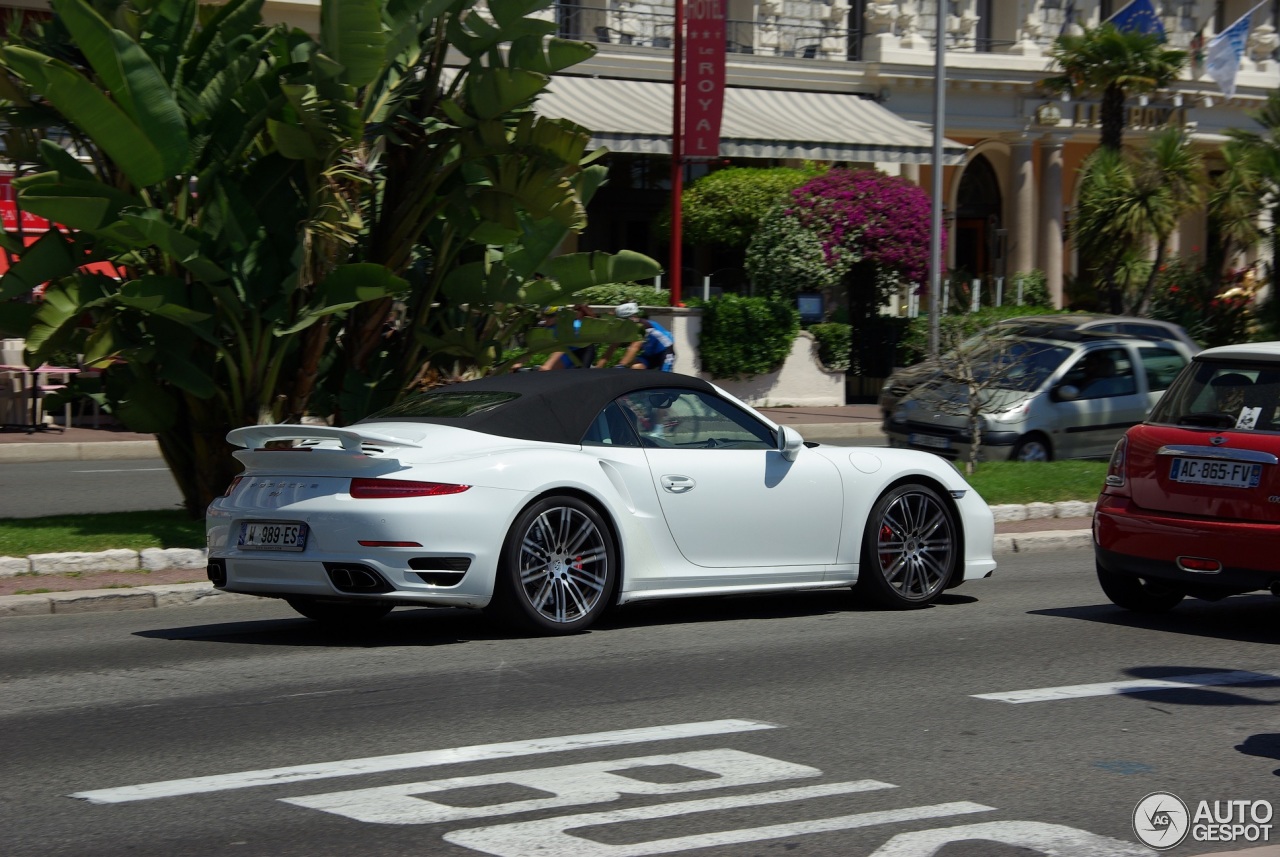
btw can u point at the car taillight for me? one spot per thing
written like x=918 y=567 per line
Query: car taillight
x=1117 y=478
x=388 y=489
x=232 y=486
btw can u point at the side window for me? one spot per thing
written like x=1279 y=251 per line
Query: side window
x=611 y=427
x=1160 y=365
x=1103 y=373
x=690 y=419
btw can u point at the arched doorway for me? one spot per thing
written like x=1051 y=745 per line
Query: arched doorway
x=979 y=233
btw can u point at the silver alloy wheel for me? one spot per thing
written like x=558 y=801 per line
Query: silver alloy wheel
x=915 y=543
x=564 y=564
x=1031 y=450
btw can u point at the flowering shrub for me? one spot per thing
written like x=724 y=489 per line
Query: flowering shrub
x=785 y=258
x=725 y=207
x=1214 y=312
x=839 y=220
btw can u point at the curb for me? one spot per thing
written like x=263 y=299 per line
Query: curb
x=112 y=600
x=91 y=451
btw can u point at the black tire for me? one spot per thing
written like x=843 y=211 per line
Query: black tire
x=1136 y=594
x=1032 y=447
x=558 y=568
x=910 y=548
x=344 y=614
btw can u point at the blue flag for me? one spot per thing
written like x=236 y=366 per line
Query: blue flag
x=1138 y=17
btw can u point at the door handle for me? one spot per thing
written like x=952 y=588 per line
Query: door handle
x=677 y=484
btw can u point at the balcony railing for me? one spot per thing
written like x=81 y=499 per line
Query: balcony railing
x=645 y=26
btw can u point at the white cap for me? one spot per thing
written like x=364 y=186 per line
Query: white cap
x=627 y=310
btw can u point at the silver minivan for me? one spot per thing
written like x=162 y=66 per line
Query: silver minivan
x=1071 y=396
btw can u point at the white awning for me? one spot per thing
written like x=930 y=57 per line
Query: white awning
x=634 y=117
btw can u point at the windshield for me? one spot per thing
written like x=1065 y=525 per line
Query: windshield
x=1014 y=364
x=1223 y=395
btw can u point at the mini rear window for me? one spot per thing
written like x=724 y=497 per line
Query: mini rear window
x=446 y=403
x=1240 y=395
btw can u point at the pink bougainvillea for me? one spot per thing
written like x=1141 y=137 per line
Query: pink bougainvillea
x=867 y=216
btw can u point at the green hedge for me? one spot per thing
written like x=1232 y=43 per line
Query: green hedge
x=613 y=294
x=834 y=343
x=743 y=336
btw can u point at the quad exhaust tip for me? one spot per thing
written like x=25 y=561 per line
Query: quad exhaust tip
x=349 y=577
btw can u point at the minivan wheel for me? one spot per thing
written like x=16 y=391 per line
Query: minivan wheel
x=1136 y=594
x=1032 y=447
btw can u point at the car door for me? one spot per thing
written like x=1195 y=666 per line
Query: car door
x=729 y=497
x=1107 y=403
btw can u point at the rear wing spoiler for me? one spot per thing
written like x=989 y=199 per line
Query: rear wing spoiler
x=351 y=438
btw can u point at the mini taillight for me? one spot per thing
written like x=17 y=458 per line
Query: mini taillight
x=232 y=486
x=388 y=489
x=1116 y=475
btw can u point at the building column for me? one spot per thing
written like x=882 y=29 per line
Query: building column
x=1022 y=208
x=910 y=172
x=1051 y=234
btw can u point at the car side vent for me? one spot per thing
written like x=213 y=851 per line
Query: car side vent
x=370 y=449
x=440 y=570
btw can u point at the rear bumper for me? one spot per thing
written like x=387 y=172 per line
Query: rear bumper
x=1146 y=544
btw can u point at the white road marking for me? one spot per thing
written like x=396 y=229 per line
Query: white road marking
x=1054 y=840
x=1108 y=688
x=550 y=838
x=559 y=787
x=426 y=758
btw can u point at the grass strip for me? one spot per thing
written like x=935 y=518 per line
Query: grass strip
x=1000 y=482
x=169 y=528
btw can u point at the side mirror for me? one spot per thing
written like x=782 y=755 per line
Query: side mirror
x=1066 y=393
x=789 y=442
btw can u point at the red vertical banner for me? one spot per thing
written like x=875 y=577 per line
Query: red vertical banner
x=703 y=77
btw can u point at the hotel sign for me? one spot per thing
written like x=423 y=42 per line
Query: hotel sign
x=704 y=77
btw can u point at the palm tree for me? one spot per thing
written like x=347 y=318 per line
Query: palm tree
x=1170 y=179
x=1127 y=201
x=1252 y=178
x=1238 y=195
x=1109 y=222
x=1116 y=64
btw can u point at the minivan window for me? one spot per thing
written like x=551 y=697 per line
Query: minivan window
x=1160 y=365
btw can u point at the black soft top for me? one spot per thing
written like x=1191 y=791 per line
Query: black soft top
x=554 y=407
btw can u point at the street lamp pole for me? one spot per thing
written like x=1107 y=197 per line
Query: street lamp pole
x=935 y=227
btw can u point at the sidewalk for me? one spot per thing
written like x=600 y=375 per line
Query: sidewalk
x=126 y=580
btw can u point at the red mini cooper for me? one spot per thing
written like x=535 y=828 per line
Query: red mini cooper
x=1191 y=504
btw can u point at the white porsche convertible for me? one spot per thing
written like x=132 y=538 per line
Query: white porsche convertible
x=549 y=497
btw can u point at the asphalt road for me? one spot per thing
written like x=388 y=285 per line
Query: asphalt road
x=798 y=724
x=39 y=488
x=36 y=489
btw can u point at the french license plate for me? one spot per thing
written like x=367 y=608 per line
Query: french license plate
x=273 y=536
x=929 y=440
x=1231 y=474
